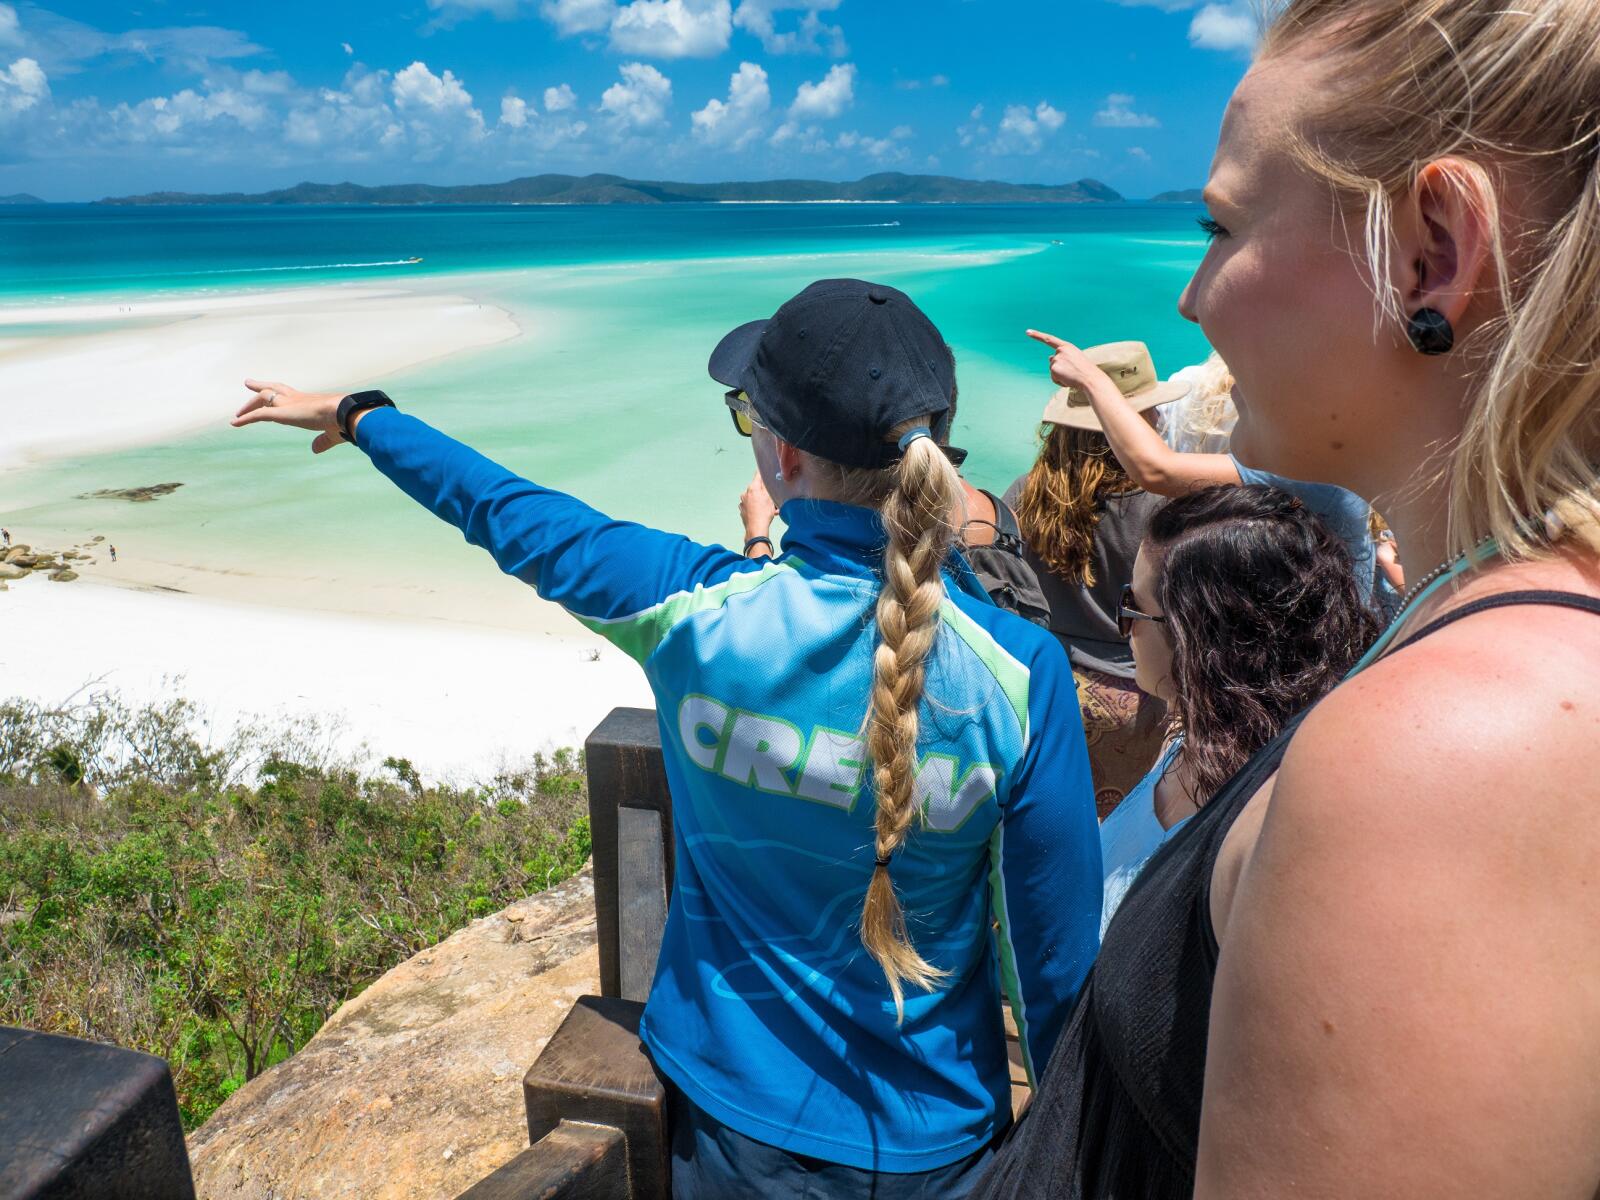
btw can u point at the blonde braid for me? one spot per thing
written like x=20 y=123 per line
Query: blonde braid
x=917 y=516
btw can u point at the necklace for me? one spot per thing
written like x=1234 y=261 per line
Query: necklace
x=1425 y=587
x=1448 y=564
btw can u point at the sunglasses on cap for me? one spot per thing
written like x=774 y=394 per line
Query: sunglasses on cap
x=744 y=420
x=1127 y=614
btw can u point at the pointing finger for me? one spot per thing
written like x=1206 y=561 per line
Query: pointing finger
x=1049 y=339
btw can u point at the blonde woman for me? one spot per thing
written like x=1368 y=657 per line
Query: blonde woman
x=1377 y=949
x=1082 y=519
x=881 y=794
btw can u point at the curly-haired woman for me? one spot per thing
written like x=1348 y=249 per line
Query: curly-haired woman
x=1242 y=612
x=1082 y=518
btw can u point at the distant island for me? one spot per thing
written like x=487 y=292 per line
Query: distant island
x=614 y=189
x=20 y=198
x=1186 y=196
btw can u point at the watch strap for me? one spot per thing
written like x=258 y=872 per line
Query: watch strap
x=357 y=402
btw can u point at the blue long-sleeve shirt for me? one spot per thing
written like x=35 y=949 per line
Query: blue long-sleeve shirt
x=766 y=1009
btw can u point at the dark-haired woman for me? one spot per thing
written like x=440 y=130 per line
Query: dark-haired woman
x=1243 y=611
x=1082 y=519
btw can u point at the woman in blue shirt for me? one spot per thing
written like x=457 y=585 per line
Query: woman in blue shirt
x=882 y=802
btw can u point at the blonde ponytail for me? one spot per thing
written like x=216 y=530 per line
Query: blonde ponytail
x=917 y=516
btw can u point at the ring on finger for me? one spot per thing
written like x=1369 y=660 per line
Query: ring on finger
x=270 y=398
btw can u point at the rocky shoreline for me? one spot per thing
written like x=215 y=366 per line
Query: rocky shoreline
x=21 y=560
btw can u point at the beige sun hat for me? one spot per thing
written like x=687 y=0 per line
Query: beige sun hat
x=1133 y=371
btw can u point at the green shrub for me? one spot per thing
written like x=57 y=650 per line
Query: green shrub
x=215 y=906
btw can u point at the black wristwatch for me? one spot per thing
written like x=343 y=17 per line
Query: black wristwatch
x=358 y=402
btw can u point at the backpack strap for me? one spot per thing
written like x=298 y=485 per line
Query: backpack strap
x=1007 y=533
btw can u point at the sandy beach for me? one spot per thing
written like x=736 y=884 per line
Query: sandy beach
x=459 y=702
x=460 y=689
x=144 y=371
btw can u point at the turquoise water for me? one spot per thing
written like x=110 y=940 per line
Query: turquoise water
x=606 y=394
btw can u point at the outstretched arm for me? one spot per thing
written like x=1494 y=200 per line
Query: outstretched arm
x=613 y=575
x=1149 y=461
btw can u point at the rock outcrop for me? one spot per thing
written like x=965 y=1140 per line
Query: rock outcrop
x=413 y=1088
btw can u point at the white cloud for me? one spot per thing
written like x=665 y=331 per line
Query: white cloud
x=916 y=85
x=827 y=98
x=22 y=86
x=10 y=29
x=560 y=99
x=578 y=16
x=437 y=110
x=672 y=28
x=513 y=112
x=521 y=126
x=973 y=130
x=1119 y=114
x=267 y=83
x=417 y=89
x=738 y=121
x=187 y=117
x=1224 y=27
x=640 y=100
x=1163 y=5
x=756 y=17
x=347 y=48
x=1139 y=154
x=1023 y=130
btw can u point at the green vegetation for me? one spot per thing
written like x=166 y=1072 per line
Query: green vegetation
x=215 y=905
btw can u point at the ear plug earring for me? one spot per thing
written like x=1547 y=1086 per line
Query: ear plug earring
x=1430 y=332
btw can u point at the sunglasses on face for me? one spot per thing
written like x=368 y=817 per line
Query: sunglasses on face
x=744 y=418
x=1127 y=614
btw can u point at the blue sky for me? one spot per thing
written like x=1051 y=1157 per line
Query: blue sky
x=103 y=99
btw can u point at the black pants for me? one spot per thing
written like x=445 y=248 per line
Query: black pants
x=712 y=1162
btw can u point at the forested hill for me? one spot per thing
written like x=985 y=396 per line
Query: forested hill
x=614 y=189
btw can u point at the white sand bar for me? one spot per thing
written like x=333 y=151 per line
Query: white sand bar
x=460 y=703
x=145 y=371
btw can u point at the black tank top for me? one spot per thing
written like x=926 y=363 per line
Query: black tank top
x=1117 y=1114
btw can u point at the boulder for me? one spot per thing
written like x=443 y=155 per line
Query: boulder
x=26 y=561
x=65 y=575
x=413 y=1088
x=16 y=551
x=12 y=571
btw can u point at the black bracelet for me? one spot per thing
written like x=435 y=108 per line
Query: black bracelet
x=354 y=403
x=760 y=537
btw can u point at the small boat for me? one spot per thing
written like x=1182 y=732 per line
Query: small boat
x=413 y=260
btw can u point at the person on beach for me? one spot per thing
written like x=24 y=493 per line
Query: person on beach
x=1242 y=611
x=1082 y=519
x=113 y=551
x=1369 y=967
x=882 y=802
x=1159 y=469
x=5 y=537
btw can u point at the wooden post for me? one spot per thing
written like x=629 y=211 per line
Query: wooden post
x=84 y=1121
x=630 y=823
x=594 y=1070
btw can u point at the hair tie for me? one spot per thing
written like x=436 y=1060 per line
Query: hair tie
x=911 y=435
x=881 y=862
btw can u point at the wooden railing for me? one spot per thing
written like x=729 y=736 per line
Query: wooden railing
x=597 y=1111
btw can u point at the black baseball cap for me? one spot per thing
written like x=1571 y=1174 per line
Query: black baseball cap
x=838 y=367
